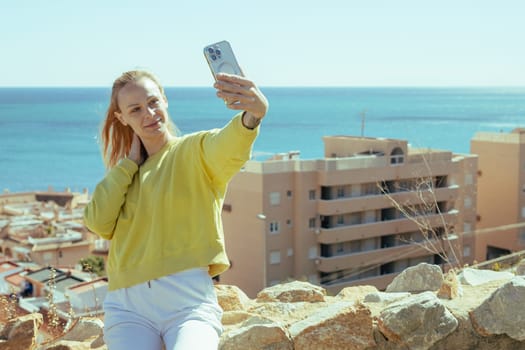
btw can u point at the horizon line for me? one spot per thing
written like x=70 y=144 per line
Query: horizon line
x=275 y=86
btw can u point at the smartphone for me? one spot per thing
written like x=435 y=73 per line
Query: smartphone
x=221 y=59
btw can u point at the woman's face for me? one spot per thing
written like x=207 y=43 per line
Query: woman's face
x=144 y=108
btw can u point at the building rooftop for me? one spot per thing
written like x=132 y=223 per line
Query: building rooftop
x=89 y=285
x=64 y=282
x=516 y=136
x=15 y=279
x=7 y=266
x=44 y=275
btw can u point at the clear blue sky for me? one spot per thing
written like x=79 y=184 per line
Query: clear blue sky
x=277 y=42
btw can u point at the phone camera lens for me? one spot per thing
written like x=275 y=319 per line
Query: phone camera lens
x=218 y=52
x=210 y=50
x=213 y=57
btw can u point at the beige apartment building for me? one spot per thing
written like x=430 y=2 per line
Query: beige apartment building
x=501 y=193
x=360 y=215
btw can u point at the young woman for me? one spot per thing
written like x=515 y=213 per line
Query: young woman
x=160 y=205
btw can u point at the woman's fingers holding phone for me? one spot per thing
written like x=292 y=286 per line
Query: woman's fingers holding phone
x=241 y=93
x=232 y=82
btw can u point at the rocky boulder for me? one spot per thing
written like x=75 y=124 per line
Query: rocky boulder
x=21 y=333
x=475 y=277
x=356 y=293
x=231 y=297
x=419 y=278
x=342 y=325
x=503 y=312
x=292 y=292
x=258 y=336
x=417 y=322
x=520 y=268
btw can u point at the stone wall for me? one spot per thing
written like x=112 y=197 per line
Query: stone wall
x=421 y=309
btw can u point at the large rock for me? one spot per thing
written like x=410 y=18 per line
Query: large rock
x=86 y=333
x=235 y=317
x=292 y=292
x=231 y=297
x=287 y=313
x=21 y=333
x=258 y=336
x=417 y=322
x=420 y=278
x=85 y=329
x=503 y=312
x=520 y=268
x=356 y=293
x=475 y=277
x=465 y=336
x=341 y=325
x=386 y=298
x=70 y=345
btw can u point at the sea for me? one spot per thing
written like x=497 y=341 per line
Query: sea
x=49 y=137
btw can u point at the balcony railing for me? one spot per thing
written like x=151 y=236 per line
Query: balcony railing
x=382 y=228
x=378 y=256
x=337 y=206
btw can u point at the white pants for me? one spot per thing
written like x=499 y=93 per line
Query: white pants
x=180 y=310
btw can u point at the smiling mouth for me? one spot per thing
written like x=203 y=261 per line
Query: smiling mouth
x=155 y=123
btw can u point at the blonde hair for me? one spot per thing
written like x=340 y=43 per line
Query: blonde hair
x=116 y=137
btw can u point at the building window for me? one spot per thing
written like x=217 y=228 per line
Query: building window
x=467 y=202
x=47 y=257
x=354 y=219
x=290 y=252
x=275 y=198
x=312 y=253
x=369 y=216
x=522 y=236
x=441 y=181
x=289 y=193
x=469 y=179
x=340 y=220
x=340 y=192
x=523 y=212
x=370 y=188
x=311 y=223
x=313 y=278
x=466 y=251
x=311 y=194
x=397 y=156
x=355 y=190
x=275 y=257
x=289 y=223
x=227 y=208
x=274 y=227
x=467 y=227
x=355 y=246
x=340 y=248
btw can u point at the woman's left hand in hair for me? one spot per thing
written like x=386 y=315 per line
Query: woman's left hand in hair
x=135 y=152
x=240 y=93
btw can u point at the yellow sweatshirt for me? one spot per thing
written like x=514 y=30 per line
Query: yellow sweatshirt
x=165 y=216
